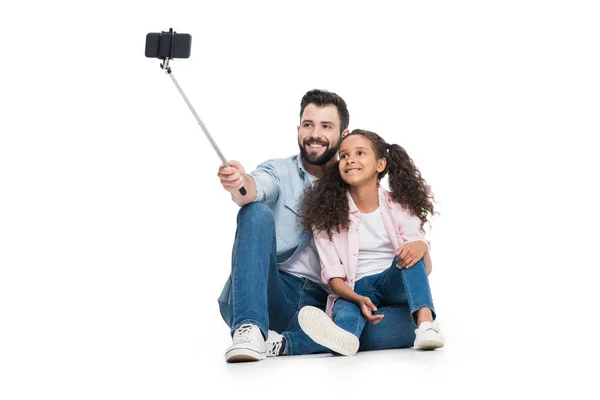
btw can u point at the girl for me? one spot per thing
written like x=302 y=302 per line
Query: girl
x=370 y=242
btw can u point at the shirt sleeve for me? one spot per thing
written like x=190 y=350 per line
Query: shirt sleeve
x=267 y=182
x=410 y=230
x=331 y=266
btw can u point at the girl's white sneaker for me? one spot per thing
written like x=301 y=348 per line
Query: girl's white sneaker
x=320 y=328
x=429 y=336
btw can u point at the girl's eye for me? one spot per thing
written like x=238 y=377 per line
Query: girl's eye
x=360 y=153
x=344 y=156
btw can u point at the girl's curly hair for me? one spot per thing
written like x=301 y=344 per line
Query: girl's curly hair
x=325 y=204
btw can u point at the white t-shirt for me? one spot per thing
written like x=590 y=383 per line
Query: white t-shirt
x=376 y=251
x=305 y=264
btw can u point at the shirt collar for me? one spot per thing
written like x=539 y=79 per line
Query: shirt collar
x=303 y=172
x=300 y=165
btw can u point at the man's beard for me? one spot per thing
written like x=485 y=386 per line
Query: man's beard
x=318 y=159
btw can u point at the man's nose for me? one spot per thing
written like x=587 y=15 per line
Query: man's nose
x=319 y=131
x=316 y=133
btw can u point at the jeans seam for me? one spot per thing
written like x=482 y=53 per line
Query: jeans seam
x=408 y=294
x=371 y=290
x=387 y=278
x=232 y=296
x=297 y=306
x=301 y=297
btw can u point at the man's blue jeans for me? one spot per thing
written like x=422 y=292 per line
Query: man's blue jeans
x=392 y=286
x=264 y=296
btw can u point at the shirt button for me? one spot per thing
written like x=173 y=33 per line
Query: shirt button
x=354 y=254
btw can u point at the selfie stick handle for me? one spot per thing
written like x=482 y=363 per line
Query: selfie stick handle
x=210 y=139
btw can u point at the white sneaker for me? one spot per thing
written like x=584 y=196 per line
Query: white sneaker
x=248 y=345
x=274 y=344
x=320 y=328
x=429 y=336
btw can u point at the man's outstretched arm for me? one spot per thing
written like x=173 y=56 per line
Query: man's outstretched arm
x=262 y=185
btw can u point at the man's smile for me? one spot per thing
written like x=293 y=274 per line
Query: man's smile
x=315 y=145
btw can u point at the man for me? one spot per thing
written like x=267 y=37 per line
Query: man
x=275 y=266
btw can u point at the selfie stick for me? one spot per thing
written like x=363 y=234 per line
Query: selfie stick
x=165 y=65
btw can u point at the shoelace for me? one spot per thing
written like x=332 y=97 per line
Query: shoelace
x=243 y=333
x=275 y=348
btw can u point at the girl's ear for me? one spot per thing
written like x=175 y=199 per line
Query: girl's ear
x=381 y=163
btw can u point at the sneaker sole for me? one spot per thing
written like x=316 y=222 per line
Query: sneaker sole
x=320 y=328
x=430 y=341
x=429 y=345
x=243 y=355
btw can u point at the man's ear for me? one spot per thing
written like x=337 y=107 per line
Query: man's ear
x=381 y=163
x=345 y=133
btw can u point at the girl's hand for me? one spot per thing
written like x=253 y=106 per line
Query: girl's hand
x=367 y=307
x=410 y=253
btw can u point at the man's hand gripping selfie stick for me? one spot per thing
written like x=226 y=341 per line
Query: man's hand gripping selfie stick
x=165 y=65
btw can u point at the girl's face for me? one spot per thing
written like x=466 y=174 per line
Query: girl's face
x=358 y=162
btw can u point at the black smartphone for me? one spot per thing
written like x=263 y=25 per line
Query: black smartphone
x=168 y=45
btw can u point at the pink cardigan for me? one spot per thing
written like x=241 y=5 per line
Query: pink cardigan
x=339 y=256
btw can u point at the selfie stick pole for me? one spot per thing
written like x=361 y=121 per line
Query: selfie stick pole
x=165 y=65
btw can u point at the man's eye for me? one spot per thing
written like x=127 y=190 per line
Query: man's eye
x=327 y=126
x=307 y=125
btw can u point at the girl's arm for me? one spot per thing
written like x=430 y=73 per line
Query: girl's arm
x=410 y=253
x=340 y=288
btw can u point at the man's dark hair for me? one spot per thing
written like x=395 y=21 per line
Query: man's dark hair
x=323 y=98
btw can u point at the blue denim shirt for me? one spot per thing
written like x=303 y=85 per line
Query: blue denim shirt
x=280 y=185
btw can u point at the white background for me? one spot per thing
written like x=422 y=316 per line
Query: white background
x=115 y=234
